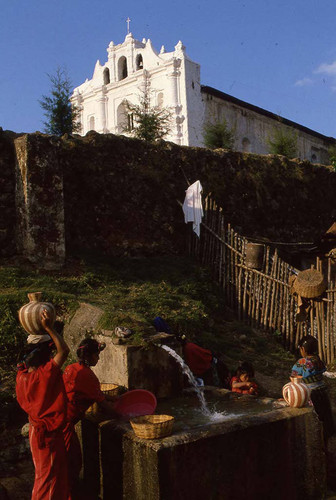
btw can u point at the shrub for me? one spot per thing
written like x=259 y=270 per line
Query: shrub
x=218 y=135
x=283 y=142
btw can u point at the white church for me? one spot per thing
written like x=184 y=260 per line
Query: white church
x=174 y=81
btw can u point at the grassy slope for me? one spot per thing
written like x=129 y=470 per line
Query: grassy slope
x=132 y=291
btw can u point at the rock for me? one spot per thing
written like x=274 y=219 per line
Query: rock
x=331 y=462
x=25 y=430
x=3 y=493
x=16 y=488
x=86 y=319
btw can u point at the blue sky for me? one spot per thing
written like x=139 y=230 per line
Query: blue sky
x=276 y=54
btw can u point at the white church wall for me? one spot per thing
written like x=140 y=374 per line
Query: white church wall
x=175 y=84
x=171 y=75
x=253 y=130
x=195 y=108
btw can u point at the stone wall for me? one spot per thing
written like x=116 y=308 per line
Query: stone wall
x=39 y=200
x=253 y=127
x=120 y=197
x=121 y=193
x=7 y=195
x=115 y=195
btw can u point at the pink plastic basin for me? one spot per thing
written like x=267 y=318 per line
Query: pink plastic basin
x=136 y=403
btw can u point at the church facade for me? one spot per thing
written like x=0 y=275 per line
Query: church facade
x=174 y=83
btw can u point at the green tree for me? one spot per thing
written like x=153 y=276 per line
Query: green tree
x=283 y=142
x=147 y=122
x=218 y=135
x=61 y=116
x=332 y=155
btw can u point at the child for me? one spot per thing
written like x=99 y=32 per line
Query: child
x=82 y=390
x=242 y=382
x=40 y=392
x=311 y=368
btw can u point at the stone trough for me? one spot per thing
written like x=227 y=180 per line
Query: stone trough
x=276 y=454
x=258 y=452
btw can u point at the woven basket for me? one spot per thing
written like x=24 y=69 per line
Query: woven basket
x=152 y=426
x=310 y=283
x=291 y=281
x=111 y=389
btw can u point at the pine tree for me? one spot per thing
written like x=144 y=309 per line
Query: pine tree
x=61 y=115
x=218 y=135
x=332 y=156
x=146 y=122
x=283 y=142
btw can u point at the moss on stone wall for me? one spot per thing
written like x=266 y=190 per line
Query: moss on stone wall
x=120 y=193
x=7 y=194
x=120 y=197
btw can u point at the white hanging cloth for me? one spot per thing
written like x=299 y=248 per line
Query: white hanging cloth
x=192 y=206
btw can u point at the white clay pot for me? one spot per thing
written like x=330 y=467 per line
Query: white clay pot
x=30 y=314
x=296 y=393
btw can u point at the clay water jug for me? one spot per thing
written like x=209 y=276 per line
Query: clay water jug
x=296 y=393
x=30 y=314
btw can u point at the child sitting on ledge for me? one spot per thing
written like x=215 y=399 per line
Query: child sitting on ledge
x=242 y=382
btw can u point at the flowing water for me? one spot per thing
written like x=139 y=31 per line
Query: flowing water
x=188 y=414
x=213 y=416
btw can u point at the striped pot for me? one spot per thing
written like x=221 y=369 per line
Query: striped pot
x=296 y=393
x=30 y=314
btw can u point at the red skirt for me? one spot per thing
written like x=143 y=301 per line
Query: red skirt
x=51 y=468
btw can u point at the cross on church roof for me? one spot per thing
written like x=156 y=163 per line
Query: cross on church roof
x=128 y=24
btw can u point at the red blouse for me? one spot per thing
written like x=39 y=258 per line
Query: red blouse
x=243 y=389
x=82 y=390
x=41 y=394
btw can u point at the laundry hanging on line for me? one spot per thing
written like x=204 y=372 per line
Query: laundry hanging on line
x=192 y=206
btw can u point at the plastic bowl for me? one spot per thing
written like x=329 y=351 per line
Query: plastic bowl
x=135 y=403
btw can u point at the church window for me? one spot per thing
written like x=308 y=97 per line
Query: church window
x=246 y=145
x=139 y=62
x=122 y=118
x=92 y=123
x=193 y=85
x=314 y=154
x=130 y=120
x=106 y=75
x=160 y=99
x=122 y=68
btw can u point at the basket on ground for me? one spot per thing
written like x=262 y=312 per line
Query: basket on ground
x=310 y=283
x=152 y=426
x=110 y=389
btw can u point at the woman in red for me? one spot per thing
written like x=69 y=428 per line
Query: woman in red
x=82 y=390
x=40 y=392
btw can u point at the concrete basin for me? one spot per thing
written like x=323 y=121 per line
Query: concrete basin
x=272 y=454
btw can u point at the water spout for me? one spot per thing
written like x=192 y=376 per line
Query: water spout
x=186 y=370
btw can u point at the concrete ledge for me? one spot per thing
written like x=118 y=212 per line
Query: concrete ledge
x=276 y=455
x=140 y=367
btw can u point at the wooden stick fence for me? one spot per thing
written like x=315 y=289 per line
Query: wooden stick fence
x=262 y=297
